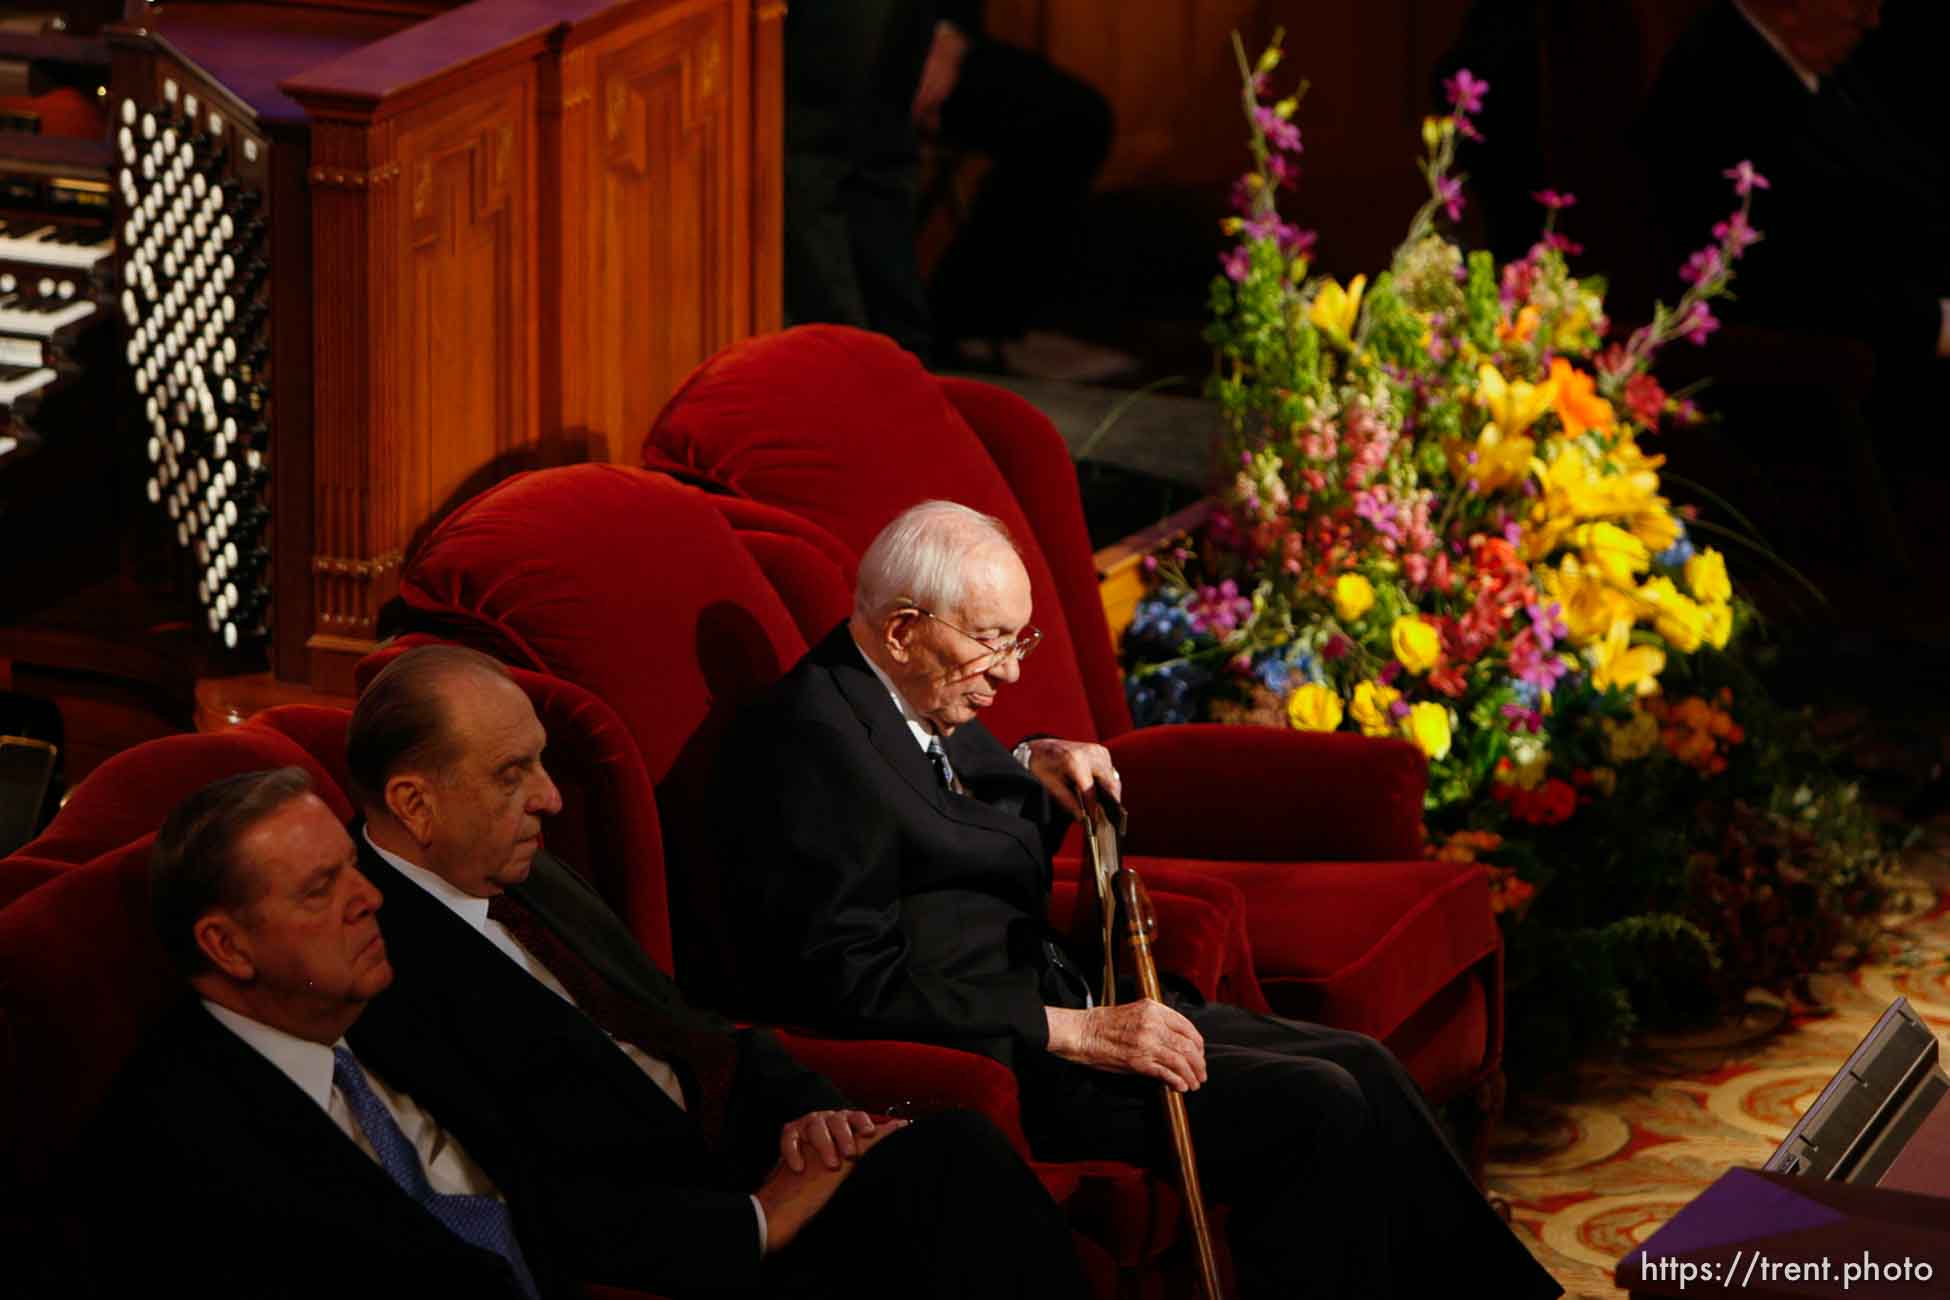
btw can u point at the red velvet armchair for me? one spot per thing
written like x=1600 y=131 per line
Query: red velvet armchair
x=1348 y=924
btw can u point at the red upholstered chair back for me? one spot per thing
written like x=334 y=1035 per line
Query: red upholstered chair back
x=608 y=827
x=127 y=796
x=658 y=600
x=844 y=429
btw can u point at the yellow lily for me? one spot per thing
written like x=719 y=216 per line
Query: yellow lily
x=1589 y=604
x=1618 y=664
x=1513 y=406
x=1335 y=309
x=1499 y=462
x=1611 y=551
x=1677 y=618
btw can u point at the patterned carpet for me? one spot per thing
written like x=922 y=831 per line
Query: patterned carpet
x=1590 y=1176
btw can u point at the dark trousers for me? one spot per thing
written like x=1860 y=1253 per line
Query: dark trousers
x=1046 y=134
x=1338 y=1180
x=852 y=166
x=943 y=1209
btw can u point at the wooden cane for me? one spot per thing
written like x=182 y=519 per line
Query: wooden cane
x=1141 y=924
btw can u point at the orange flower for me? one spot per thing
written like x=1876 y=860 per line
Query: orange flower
x=1578 y=404
x=1524 y=326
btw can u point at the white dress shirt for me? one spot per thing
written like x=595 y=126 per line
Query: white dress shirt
x=449 y=1169
x=474 y=911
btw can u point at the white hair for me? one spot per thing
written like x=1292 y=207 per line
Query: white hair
x=920 y=558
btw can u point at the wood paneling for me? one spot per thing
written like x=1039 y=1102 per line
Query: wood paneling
x=518 y=257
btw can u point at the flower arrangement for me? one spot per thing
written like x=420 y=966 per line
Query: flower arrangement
x=1440 y=522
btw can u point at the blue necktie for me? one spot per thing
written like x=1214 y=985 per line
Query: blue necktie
x=938 y=755
x=477 y=1220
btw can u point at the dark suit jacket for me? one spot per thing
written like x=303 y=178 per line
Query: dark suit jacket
x=1857 y=224
x=209 y=1171
x=645 y=1200
x=864 y=896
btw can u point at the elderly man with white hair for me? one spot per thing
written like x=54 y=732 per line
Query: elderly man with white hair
x=890 y=859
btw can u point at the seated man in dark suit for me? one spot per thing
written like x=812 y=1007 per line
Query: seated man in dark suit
x=894 y=860
x=708 y=1159
x=253 y=1150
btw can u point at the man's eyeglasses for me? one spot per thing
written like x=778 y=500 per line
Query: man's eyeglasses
x=1017 y=647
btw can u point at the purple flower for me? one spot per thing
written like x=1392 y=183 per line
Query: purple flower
x=1449 y=190
x=1706 y=264
x=1237 y=263
x=1513 y=533
x=1555 y=201
x=1465 y=92
x=1545 y=620
x=1745 y=179
x=1280 y=133
x=1281 y=170
x=1523 y=719
x=1399 y=709
x=1568 y=247
x=1698 y=323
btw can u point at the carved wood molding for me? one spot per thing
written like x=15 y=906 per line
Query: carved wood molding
x=345 y=178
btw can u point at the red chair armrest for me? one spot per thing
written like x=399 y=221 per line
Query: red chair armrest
x=1257 y=794
x=878 y=1074
x=1201 y=928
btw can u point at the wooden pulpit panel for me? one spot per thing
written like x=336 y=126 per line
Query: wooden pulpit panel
x=469 y=339
x=665 y=219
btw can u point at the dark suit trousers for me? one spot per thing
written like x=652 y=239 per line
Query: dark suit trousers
x=1338 y=1180
x=943 y=1209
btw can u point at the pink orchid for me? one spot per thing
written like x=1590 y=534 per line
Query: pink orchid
x=1745 y=179
x=1237 y=264
x=1449 y=190
x=1554 y=200
x=1736 y=234
x=1706 y=264
x=1563 y=244
x=1465 y=92
x=1280 y=133
x=1699 y=323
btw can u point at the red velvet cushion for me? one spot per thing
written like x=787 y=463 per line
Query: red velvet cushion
x=21 y=875
x=130 y=794
x=916 y=1078
x=1261 y=794
x=809 y=568
x=845 y=429
x=317 y=729
x=1449 y=1045
x=81 y=977
x=626 y=583
x=1362 y=945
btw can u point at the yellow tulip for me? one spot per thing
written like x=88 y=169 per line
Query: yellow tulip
x=1617 y=664
x=1513 y=407
x=1335 y=309
x=1370 y=708
x=1427 y=724
x=1719 y=625
x=1417 y=644
x=1353 y=596
x=1706 y=577
x=1611 y=551
x=1314 y=708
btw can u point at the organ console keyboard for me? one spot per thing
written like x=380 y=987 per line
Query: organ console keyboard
x=358 y=258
